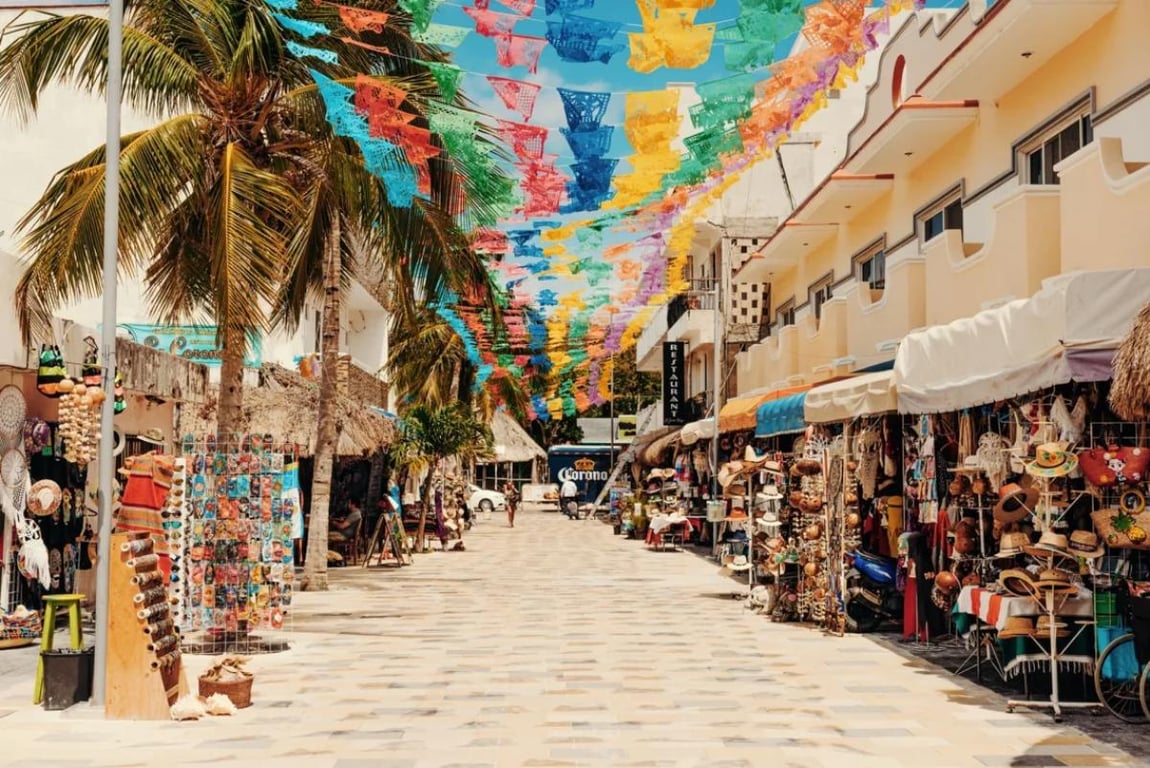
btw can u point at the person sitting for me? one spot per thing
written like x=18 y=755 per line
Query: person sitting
x=343 y=528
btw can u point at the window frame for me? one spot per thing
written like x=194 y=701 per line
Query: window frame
x=819 y=293
x=867 y=256
x=785 y=313
x=949 y=212
x=1048 y=149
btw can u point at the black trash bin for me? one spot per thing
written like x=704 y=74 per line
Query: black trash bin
x=67 y=677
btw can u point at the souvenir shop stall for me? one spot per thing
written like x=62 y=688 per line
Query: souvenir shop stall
x=49 y=434
x=1023 y=490
x=855 y=424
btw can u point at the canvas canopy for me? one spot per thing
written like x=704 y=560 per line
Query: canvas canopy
x=703 y=429
x=1067 y=331
x=866 y=395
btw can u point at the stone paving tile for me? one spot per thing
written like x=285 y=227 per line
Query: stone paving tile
x=558 y=644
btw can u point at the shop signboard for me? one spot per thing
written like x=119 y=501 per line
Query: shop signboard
x=674 y=383
x=588 y=466
x=197 y=343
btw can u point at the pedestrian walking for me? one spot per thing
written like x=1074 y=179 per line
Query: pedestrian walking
x=511 y=494
x=569 y=499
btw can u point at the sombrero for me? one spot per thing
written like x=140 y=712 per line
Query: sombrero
x=1055 y=579
x=740 y=563
x=1085 y=544
x=1016 y=626
x=1012 y=544
x=1018 y=582
x=1014 y=503
x=1050 y=543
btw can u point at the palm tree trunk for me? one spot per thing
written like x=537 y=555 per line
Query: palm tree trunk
x=229 y=417
x=315 y=569
x=428 y=500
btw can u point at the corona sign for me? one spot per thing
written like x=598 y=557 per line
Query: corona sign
x=588 y=466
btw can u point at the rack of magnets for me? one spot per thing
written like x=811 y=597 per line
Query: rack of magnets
x=234 y=526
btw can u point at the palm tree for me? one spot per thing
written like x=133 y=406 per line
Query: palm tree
x=430 y=435
x=239 y=184
x=214 y=193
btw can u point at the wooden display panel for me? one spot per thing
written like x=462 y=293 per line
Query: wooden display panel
x=141 y=683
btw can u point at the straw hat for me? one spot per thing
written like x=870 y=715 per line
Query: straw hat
x=1055 y=579
x=1018 y=582
x=1085 y=544
x=729 y=471
x=1043 y=628
x=1050 y=543
x=1016 y=626
x=44 y=498
x=1014 y=503
x=1052 y=460
x=738 y=564
x=1012 y=544
x=153 y=436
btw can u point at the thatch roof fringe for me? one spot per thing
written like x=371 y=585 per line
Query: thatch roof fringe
x=515 y=444
x=1130 y=392
x=286 y=405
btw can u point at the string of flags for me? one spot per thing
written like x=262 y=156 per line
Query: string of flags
x=576 y=289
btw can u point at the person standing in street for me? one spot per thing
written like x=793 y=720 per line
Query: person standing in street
x=569 y=499
x=511 y=494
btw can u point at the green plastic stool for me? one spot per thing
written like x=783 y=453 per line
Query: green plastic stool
x=51 y=603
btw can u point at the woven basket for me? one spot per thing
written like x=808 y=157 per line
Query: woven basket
x=239 y=691
x=1115 y=539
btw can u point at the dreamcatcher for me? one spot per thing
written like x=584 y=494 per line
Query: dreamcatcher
x=868 y=447
x=32 y=559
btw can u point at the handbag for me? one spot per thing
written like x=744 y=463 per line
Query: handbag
x=51 y=371
x=1112 y=466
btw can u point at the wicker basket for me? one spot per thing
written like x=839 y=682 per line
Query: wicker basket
x=239 y=691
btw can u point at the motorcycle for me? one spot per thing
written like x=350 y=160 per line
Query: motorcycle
x=872 y=595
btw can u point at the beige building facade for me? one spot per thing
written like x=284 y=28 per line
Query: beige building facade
x=1002 y=144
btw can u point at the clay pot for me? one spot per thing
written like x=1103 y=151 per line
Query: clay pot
x=853 y=520
x=795 y=498
x=811 y=504
x=812 y=532
x=811 y=569
x=946 y=581
x=852 y=466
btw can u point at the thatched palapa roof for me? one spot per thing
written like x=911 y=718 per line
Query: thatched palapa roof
x=1130 y=392
x=511 y=441
x=286 y=405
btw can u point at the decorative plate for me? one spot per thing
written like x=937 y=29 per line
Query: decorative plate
x=13 y=410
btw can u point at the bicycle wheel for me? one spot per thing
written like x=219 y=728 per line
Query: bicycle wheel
x=1143 y=694
x=1118 y=681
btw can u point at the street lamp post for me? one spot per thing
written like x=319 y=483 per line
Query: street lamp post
x=107 y=474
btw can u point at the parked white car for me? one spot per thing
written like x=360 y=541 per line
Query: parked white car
x=482 y=500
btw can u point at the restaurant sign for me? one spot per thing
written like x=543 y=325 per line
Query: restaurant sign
x=674 y=383
x=197 y=343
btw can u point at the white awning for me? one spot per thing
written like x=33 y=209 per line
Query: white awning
x=704 y=429
x=866 y=395
x=1021 y=347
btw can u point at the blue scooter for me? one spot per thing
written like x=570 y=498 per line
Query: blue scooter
x=872 y=595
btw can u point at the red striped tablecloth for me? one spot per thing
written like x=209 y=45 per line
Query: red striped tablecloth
x=993 y=608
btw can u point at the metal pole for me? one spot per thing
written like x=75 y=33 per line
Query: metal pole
x=612 y=406
x=717 y=360
x=108 y=341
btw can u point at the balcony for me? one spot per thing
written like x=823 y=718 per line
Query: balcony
x=916 y=130
x=843 y=192
x=1021 y=250
x=822 y=340
x=691 y=316
x=1106 y=199
x=875 y=321
x=776 y=359
x=1013 y=39
x=648 y=349
x=793 y=242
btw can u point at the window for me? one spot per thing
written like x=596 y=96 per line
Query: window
x=1054 y=146
x=871 y=268
x=821 y=293
x=786 y=314
x=947 y=215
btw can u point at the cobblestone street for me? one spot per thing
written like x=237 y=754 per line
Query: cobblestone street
x=556 y=643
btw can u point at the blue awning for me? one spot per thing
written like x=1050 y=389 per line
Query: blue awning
x=778 y=417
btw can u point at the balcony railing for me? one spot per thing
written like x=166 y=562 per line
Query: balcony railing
x=700 y=296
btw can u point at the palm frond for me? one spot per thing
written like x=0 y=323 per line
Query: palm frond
x=65 y=227
x=73 y=50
